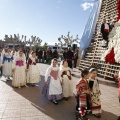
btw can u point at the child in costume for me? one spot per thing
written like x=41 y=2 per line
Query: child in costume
x=82 y=88
x=19 y=71
x=7 y=64
x=95 y=93
x=52 y=80
x=66 y=79
x=33 y=74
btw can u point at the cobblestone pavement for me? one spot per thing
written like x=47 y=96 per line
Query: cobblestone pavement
x=29 y=104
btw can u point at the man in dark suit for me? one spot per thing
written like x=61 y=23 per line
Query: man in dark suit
x=40 y=54
x=105 y=32
x=65 y=54
x=70 y=57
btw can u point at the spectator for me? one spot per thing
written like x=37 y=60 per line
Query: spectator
x=40 y=54
x=65 y=53
x=49 y=55
x=69 y=57
x=75 y=58
x=44 y=56
x=105 y=33
x=55 y=54
x=0 y=61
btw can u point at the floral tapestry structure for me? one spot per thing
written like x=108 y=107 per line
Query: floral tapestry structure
x=112 y=54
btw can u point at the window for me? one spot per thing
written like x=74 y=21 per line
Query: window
x=54 y=47
x=49 y=48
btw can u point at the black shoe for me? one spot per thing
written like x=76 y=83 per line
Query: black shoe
x=33 y=85
x=55 y=102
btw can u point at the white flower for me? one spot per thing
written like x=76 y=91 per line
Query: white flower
x=114 y=42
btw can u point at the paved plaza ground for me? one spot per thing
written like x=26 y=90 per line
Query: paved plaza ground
x=29 y=104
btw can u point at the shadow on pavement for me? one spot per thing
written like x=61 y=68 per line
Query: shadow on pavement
x=65 y=110
x=33 y=103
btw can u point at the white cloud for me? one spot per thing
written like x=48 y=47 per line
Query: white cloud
x=86 y=5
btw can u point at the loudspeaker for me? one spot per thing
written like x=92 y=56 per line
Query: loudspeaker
x=74 y=46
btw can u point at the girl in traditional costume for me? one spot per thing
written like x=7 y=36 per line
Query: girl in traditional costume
x=17 y=53
x=33 y=75
x=7 y=64
x=95 y=93
x=82 y=88
x=52 y=80
x=28 y=54
x=66 y=79
x=19 y=71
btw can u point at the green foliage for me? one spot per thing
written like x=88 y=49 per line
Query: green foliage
x=38 y=47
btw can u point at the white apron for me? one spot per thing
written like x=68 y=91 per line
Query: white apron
x=55 y=87
x=33 y=74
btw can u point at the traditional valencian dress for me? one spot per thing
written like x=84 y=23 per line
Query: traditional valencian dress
x=17 y=54
x=95 y=96
x=19 y=76
x=7 y=65
x=81 y=87
x=67 y=82
x=33 y=75
x=54 y=86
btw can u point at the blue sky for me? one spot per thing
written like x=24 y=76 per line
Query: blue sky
x=47 y=19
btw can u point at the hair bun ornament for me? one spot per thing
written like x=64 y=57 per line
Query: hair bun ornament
x=92 y=69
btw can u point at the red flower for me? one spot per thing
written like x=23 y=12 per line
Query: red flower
x=110 y=56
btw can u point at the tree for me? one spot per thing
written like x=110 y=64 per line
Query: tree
x=45 y=44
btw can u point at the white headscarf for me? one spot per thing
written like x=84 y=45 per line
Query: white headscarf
x=51 y=66
x=52 y=63
x=62 y=67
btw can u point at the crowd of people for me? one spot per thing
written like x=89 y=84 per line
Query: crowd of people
x=59 y=85
x=22 y=69
x=46 y=56
x=15 y=66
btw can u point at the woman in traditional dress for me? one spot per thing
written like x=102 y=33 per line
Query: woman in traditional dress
x=7 y=64
x=33 y=75
x=95 y=93
x=13 y=52
x=66 y=79
x=19 y=71
x=17 y=53
x=52 y=80
x=30 y=52
x=83 y=90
